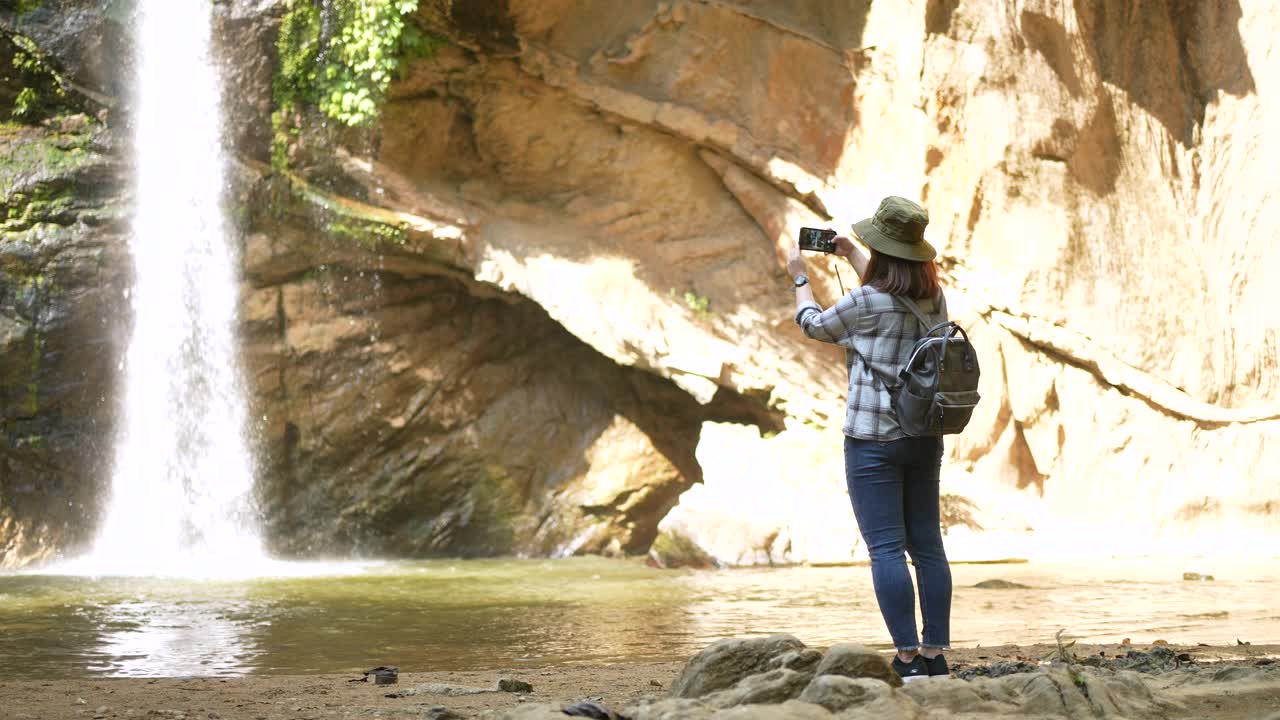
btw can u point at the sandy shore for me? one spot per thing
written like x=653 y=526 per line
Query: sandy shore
x=264 y=697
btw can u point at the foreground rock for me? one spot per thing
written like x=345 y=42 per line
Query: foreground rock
x=1228 y=683
x=739 y=679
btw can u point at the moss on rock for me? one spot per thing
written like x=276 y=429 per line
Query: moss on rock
x=345 y=220
x=338 y=58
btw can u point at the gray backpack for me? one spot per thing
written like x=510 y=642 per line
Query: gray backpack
x=936 y=391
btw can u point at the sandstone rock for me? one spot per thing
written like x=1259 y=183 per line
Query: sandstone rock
x=600 y=169
x=672 y=549
x=767 y=688
x=724 y=663
x=503 y=432
x=836 y=692
x=789 y=710
x=799 y=660
x=857 y=661
x=953 y=696
x=671 y=709
x=1059 y=691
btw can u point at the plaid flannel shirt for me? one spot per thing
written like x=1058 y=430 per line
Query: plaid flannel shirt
x=878 y=333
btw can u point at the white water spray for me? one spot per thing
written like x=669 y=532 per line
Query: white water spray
x=181 y=494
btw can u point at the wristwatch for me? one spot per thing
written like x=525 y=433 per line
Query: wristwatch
x=802 y=280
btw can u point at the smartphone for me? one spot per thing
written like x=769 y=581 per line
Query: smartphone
x=818 y=240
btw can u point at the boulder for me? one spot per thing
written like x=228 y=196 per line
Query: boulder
x=954 y=696
x=673 y=549
x=857 y=661
x=768 y=688
x=724 y=663
x=837 y=692
x=799 y=660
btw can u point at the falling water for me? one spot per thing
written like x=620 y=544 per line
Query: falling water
x=181 y=493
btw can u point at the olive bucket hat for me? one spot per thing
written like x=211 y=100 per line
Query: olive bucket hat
x=897 y=229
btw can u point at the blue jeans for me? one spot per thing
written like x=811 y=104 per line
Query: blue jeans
x=894 y=489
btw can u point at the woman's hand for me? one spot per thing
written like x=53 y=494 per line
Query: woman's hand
x=844 y=246
x=796 y=264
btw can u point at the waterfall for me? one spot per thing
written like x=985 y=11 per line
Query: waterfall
x=182 y=483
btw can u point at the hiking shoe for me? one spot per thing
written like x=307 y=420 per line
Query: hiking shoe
x=917 y=669
x=937 y=666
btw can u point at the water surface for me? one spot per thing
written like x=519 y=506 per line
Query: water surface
x=469 y=615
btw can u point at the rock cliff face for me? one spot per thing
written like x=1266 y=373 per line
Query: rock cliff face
x=408 y=412
x=63 y=274
x=496 y=320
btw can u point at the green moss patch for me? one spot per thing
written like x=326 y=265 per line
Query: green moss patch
x=38 y=171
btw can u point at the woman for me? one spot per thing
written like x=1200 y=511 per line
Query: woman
x=893 y=479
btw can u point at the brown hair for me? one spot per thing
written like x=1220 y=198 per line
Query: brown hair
x=916 y=280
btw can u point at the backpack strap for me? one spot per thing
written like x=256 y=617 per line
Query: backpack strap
x=888 y=381
x=920 y=316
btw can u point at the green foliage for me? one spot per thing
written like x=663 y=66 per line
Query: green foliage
x=26 y=103
x=699 y=304
x=340 y=57
x=42 y=92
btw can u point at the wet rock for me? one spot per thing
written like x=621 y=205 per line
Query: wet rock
x=64 y=269
x=674 y=549
x=857 y=661
x=998 y=584
x=383 y=675
x=768 y=688
x=724 y=663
